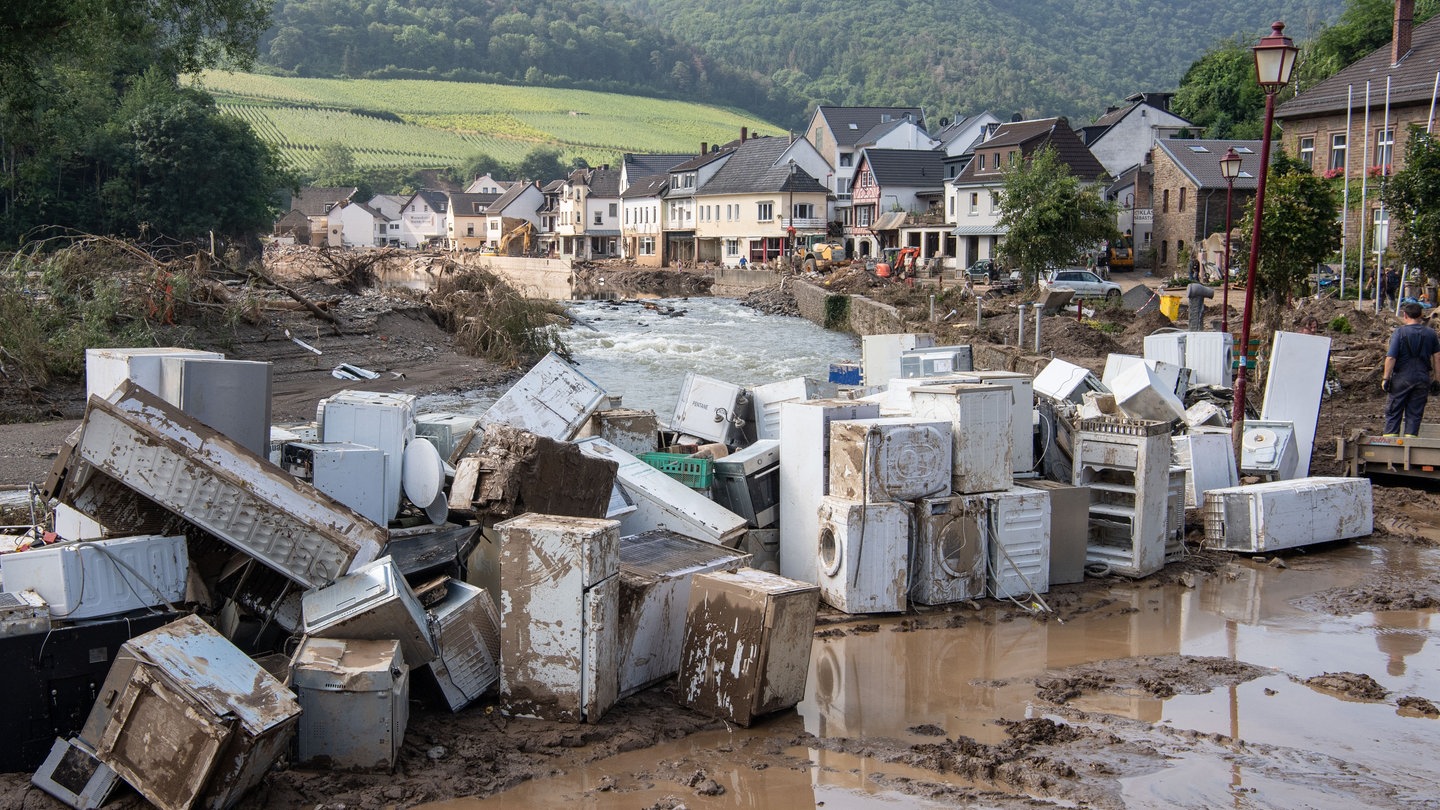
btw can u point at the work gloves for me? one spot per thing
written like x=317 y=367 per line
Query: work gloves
x=1385 y=386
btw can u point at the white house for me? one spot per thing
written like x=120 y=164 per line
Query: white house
x=361 y=225
x=422 y=218
x=1124 y=135
x=520 y=203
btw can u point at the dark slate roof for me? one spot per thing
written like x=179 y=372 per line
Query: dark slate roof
x=753 y=170
x=1411 y=82
x=435 y=198
x=511 y=193
x=553 y=187
x=1030 y=136
x=647 y=187
x=1203 y=167
x=850 y=124
x=912 y=168
x=704 y=160
x=471 y=205
x=314 y=201
x=605 y=182
x=639 y=167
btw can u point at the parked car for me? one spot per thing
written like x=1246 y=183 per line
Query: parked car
x=982 y=272
x=1085 y=283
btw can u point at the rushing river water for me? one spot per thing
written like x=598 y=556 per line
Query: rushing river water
x=641 y=353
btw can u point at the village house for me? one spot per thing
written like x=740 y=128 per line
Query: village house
x=839 y=133
x=958 y=137
x=897 y=200
x=465 y=219
x=486 y=184
x=642 y=229
x=587 y=225
x=762 y=199
x=1355 y=126
x=678 y=225
x=972 y=199
x=508 y=215
x=1122 y=138
x=315 y=204
x=422 y=219
x=1131 y=192
x=1189 y=199
x=361 y=225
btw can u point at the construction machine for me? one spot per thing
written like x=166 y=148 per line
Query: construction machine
x=1120 y=255
x=525 y=232
x=818 y=252
x=898 y=263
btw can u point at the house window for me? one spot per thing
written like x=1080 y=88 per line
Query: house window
x=765 y=211
x=974 y=203
x=599 y=218
x=1381 y=221
x=1338 y=149
x=1012 y=157
x=470 y=229
x=803 y=211
x=647 y=246
x=1182 y=199
x=1307 y=151
x=997 y=160
x=732 y=247
x=862 y=216
x=1165 y=203
x=994 y=202
x=981 y=165
x=951 y=202
x=627 y=216
x=612 y=208
x=1164 y=253
x=847 y=159
x=1384 y=145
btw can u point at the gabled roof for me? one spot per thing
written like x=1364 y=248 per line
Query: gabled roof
x=604 y=182
x=435 y=198
x=1411 y=82
x=1029 y=137
x=314 y=201
x=850 y=124
x=1200 y=161
x=380 y=215
x=511 y=194
x=389 y=204
x=1114 y=115
x=639 y=167
x=911 y=168
x=647 y=187
x=553 y=187
x=471 y=205
x=753 y=170
x=704 y=160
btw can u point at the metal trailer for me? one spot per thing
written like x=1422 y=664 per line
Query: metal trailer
x=1365 y=454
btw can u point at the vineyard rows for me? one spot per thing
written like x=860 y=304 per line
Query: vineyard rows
x=447 y=122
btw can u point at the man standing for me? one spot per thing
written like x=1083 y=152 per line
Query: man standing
x=1412 y=371
x=1392 y=286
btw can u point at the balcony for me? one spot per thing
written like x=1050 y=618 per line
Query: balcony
x=804 y=223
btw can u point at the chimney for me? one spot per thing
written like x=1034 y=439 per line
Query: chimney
x=744 y=133
x=1404 y=23
x=704 y=147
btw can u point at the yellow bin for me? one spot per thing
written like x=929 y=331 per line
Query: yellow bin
x=1170 y=306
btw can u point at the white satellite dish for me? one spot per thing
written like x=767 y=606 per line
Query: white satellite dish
x=422 y=473
x=439 y=510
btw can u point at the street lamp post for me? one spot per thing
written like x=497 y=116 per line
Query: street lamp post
x=1274 y=59
x=1230 y=169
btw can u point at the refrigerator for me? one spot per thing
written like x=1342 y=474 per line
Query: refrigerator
x=554 y=399
x=746 y=649
x=354 y=697
x=559 y=609
x=94 y=578
x=805 y=475
x=981 y=419
x=231 y=396
x=466 y=628
x=372 y=602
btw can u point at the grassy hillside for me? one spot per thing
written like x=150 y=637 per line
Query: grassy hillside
x=413 y=123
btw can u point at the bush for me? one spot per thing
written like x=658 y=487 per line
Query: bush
x=491 y=319
x=1341 y=325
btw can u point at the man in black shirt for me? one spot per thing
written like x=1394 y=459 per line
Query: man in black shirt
x=1412 y=371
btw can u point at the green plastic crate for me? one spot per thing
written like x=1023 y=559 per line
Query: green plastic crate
x=696 y=473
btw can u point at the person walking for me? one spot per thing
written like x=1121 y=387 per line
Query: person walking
x=1411 y=372
x=1392 y=287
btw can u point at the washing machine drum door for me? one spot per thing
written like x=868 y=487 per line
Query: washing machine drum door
x=958 y=546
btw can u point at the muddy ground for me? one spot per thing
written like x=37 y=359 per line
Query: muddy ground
x=1065 y=753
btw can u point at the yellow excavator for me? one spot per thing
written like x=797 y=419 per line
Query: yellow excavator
x=525 y=232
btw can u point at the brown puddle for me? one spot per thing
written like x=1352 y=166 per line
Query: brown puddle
x=1302 y=747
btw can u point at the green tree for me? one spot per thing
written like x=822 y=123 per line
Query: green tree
x=1051 y=218
x=542 y=165
x=1364 y=26
x=1299 y=228
x=1411 y=195
x=1219 y=93
x=334 y=166
x=479 y=164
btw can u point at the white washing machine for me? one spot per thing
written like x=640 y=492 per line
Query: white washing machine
x=891 y=458
x=863 y=555
x=951 y=547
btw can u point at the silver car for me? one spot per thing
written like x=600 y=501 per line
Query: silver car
x=1085 y=283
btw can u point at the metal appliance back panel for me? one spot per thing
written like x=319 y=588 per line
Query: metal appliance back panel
x=661 y=502
x=746 y=650
x=374 y=419
x=805 y=474
x=981 y=419
x=23 y=613
x=631 y=430
x=1169 y=347
x=936 y=361
x=766 y=399
x=352 y=474
x=548 y=565
x=355 y=699
x=710 y=409
x=880 y=354
x=466 y=629
x=951 y=550
x=655 y=574
x=1019 y=543
x=1293 y=388
x=223 y=488
x=231 y=396
x=108 y=369
x=1069 y=528
x=101 y=577
x=1208 y=355
x=553 y=399
x=894 y=458
x=1209 y=462
x=1288 y=514
x=1022 y=400
x=864 y=552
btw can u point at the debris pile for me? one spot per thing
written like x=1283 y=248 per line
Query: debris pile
x=266 y=593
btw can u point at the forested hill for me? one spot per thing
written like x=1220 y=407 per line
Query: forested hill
x=774 y=57
x=553 y=43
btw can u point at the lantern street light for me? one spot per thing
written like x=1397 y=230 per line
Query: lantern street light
x=1274 y=60
x=1229 y=169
